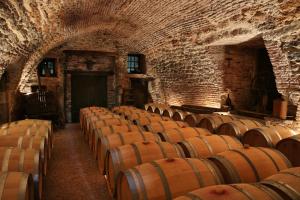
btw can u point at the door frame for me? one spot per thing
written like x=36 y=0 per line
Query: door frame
x=82 y=73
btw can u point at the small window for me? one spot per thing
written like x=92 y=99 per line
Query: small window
x=47 y=68
x=134 y=64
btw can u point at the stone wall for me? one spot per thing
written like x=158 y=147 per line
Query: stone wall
x=184 y=42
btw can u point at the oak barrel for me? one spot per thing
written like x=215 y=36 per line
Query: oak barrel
x=168 y=112
x=242 y=191
x=146 y=120
x=119 y=139
x=105 y=123
x=237 y=128
x=290 y=147
x=286 y=183
x=267 y=136
x=139 y=115
x=162 y=126
x=29 y=131
x=16 y=186
x=27 y=142
x=212 y=122
x=24 y=160
x=159 y=109
x=205 y=146
x=179 y=134
x=166 y=178
x=108 y=130
x=250 y=164
x=193 y=119
x=127 y=156
x=179 y=115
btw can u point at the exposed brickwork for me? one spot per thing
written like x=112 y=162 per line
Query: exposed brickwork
x=179 y=40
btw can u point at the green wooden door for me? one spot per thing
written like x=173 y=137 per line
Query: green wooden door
x=87 y=89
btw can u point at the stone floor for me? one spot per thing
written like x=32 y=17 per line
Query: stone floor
x=72 y=171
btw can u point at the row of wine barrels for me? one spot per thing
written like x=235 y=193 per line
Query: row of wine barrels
x=162 y=126
x=138 y=115
x=88 y=111
x=29 y=131
x=267 y=136
x=206 y=146
x=157 y=108
x=16 y=186
x=121 y=109
x=212 y=122
x=161 y=180
x=109 y=130
x=168 y=112
x=175 y=135
x=290 y=147
x=240 y=191
x=104 y=123
x=166 y=178
x=24 y=160
x=250 y=164
x=103 y=119
x=284 y=185
x=26 y=142
x=119 y=139
x=29 y=122
x=128 y=156
x=237 y=128
x=146 y=120
x=124 y=157
x=193 y=120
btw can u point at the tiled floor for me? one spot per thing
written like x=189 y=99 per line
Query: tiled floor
x=72 y=171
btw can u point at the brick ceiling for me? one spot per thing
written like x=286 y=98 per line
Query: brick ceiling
x=27 y=26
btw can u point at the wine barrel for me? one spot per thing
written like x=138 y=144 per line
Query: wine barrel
x=29 y=131
x=166 y=178
x=162 y=126
x=127 y=156
x=179 y=115
x=179 y=134
x=108 y=130
x=90 y=119
x=136 y=116
x=146 y=120
x=250 y=164
x=146 y=106
x=290 y=147
x=194 y=119
x=120 y=110
x=24 y=160
x=16 y=186
x=286 y=183
x=212 y=122
x=105 y=123
x=159 y=109
x=168 y=112
x=152 y=107
x=27 y=142
x=205 y=146
x=267 y=136
x=93 y=119
x=135 y=113
x=119 y=139
x=237 y=128
x=29 y=122
x=240 y=191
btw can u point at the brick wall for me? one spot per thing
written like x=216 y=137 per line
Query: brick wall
x=184 y=42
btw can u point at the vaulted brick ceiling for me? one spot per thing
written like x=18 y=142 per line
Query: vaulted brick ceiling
x=27 y=26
